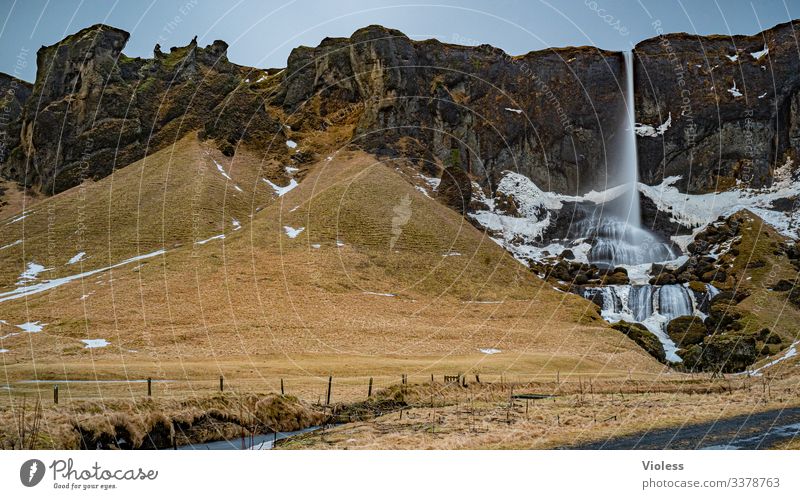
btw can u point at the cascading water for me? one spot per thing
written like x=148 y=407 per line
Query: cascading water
x=674 y=301
x=619 y=238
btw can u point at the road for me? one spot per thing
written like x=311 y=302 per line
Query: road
x=760 y=430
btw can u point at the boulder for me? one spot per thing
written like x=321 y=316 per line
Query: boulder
x=642 y=337
x=686 y=330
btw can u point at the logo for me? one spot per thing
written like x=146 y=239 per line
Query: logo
x=31 y=472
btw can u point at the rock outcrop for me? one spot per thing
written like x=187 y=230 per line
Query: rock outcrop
x=547 y=114
x=92 y=109
x=728 y=106
x=714 y=109
x=13 y=95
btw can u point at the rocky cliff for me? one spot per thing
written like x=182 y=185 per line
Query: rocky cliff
x=718 y=109
x=92 y=109
x=715 y=110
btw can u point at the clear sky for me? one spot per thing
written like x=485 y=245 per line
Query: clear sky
x=262 y=33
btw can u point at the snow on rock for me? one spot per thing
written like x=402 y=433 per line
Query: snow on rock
x=291 y=144
x=9 y=245
x=31 y=272
x=96 y=343
x=292 y=232
x=431 y=181
x=290 y=170
x=698 y=210
x=422 y=190
x=281 y=191
x=733 y=58
x=513 y=110
x=489 y=351
x=651 y=131
x=761 y=53
x=77 y=258
x=734 y=91
x=762 y=95
x=32 y=327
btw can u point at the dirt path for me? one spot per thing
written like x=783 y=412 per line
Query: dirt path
x=760 y=430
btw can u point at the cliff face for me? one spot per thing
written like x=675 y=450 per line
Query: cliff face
x=716 y=110
x=92 y=109
x=13 y=94
x=733 y=103
x=547 y=114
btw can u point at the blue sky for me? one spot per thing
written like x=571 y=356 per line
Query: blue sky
x=262 y=33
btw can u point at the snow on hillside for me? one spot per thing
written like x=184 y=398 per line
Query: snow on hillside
x=698 y=210
x=521 y=232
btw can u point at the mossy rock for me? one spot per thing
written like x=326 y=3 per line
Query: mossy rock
x=686 y=330
x=697 y=287
x=728 y=352
x=642 y=337
x=692 y=357
x=782 y=285
x=616 y=278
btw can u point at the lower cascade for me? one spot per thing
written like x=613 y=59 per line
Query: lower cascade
x=651 y=305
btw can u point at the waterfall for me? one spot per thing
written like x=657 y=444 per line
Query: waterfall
x=674 y=301
x=651 y=306
x=616 y=232
x=629 y=159
x=640 y=301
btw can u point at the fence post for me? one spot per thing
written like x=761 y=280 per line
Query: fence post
x=369 y=391
x=55 y=394
x=328 y=397
x=282 y=393
x=221 y=383
x=149 y=387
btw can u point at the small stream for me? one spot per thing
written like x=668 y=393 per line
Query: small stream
x=256 y=442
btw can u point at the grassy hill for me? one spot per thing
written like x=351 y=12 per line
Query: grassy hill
x=378 y=278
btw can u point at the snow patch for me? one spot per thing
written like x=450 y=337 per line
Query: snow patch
x=236 y=224
x=290 y=170
x=651 y=131
x=32 y=289
x=390 y=295
x=761 y=53
x=31 y=272
x=77 y=258
x=221 y=170
x=733 y=58
x=513 y=110
x=212 y=238
x=489 y=351
x=281 y=191
x=32 y=327
x=96 y=343
x=292 y=232
x=9 y=245
x=291 y=144
x=734 y=91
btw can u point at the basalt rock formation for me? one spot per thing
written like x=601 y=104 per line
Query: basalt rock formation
x=732 y=102
x=93 y=109
x=551 y=115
